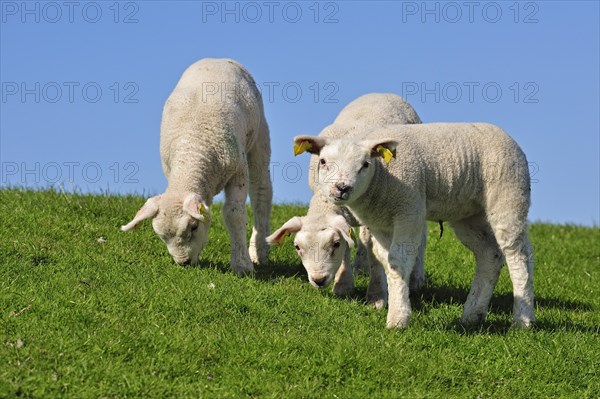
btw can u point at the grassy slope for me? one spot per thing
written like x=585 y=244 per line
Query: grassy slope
x=119 y=319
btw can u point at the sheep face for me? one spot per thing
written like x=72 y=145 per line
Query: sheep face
x=346 y=167
x=184 y=235
x=181 y=222
x=321 y=244
x=344 y=171
x=322 y=253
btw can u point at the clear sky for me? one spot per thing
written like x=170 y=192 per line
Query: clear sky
x=84 y=83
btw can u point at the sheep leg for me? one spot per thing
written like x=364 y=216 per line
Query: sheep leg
x=361 y=259
x=377 y=288
x=417 y=277
x=476 y=234
x=511 y=235
x=520 y=267
x=398 y=264
x=235 y=218
x=343 y=284
x=261 y=195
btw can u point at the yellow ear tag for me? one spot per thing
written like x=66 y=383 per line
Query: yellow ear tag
x=202 y=211
x=300 y=148
x=385 y=153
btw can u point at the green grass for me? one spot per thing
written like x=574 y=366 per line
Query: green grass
x=119 y=319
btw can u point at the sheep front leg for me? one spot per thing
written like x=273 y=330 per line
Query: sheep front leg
x=363 y=247
x=377 y=288
x=343 y=284
x=398 y=264
x=235 y=218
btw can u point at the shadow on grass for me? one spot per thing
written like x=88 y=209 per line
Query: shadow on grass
x=501 y=327
x=271 y=272
x=275 y=270
x=500 y=303
x=433 y=295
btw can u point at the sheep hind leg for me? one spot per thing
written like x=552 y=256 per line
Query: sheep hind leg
x=261 y=195
x=511 y=234
x=235 y=218
x=417 y=276
x=476 y=234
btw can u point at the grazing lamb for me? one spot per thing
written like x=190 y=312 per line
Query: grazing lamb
x=473 y=175
x=323 y=240
x=214 y=136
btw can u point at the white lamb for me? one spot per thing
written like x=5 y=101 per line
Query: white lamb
x=323 y=240
x=214 y=136
x=473 y=175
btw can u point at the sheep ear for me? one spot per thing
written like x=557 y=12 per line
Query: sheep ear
x=311 y=144
x=383 y=148
x=291 y=226
x=149 y=210
x=198 y=209
x=339 y=223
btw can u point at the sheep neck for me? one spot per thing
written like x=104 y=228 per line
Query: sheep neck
x=195 y=174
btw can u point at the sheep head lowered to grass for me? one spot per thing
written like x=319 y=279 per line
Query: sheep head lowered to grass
x=319 y=231
x=181 y=223
x=213 y=137
x=322 y=243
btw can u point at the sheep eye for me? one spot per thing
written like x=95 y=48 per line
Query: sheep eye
x=297 y=247
x=336 y=244
x=365 y=165
x=322 y=161
x=194 y=226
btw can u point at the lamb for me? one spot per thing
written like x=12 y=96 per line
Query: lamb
x=214 y=136
x=471 y=174
x=323 y=237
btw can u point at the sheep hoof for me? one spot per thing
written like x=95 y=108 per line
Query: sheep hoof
x=258 y=256
x=397 y=322
x=523 y=323
x=244 y=269
x=473 y=319
x=377 y=296
x=377 y=303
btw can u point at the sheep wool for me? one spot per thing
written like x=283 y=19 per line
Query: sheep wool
x=214 y=136
x=472 y=175
x=326 y=225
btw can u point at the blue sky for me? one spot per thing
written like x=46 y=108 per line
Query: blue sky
x=83 y=83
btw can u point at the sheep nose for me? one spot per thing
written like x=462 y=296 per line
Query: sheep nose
x=182 y=261
x=343 y=188
x=320 y=281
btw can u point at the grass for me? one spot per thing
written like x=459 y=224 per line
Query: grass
x=118 y=319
